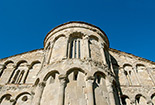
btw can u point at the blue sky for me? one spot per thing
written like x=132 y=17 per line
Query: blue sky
x=129 y=24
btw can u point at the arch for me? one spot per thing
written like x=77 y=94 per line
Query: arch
x=23 y=93
x=49 y=74
x=5 y=96
x=56 y=38
x=124 y=100
x=153 y=96
x=20 y=62
x=76 y=74
x=33 y=63
x=7 y=62
x=76 y=34
x=126 y=64
x=94 y=37
x=140 y=97
x=74 y=68
x=36 y=82
x=98 y=77
x=24 y=99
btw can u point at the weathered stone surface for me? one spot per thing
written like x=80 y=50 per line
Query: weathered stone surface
x=76 y=67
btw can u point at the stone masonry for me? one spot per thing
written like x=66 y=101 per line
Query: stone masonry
x=76 y=67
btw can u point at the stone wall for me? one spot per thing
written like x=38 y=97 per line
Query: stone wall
x=76 y=67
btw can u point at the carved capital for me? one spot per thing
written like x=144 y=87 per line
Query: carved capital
x=132 y=102
x=90 y=79
x=102 y=45
x=149 y=102
x=2 y=66
x=42 y=84
x=63 y=79
x=12 y=100
x=86 y=37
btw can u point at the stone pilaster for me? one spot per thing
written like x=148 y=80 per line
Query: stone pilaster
x=38 y=93
x=132 y=102
x=86 y=47
x=109 y=85
x=103 y=54
x=149 y=102
x=63 y=82
x=90 y=93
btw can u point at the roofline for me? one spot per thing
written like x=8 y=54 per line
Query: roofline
x=21 y=53
x=80 y=22
x=125 y=53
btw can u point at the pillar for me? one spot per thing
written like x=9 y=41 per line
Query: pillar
x=149 y=102
x=38 y=93
x=109 y=85
x=67 y=48
x=86 y=48
x=63 y=81
x=49 y=56
x=103 y=53
x=132 y=102
x=90 y=93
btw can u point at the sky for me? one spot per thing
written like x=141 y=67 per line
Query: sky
x=129 y=24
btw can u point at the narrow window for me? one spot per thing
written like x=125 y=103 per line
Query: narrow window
x=20 y=77
x=75 y=75
x=15 y=77
x=75 y=49
x=79 y=49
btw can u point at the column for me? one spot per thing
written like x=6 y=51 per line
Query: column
x=26 y=74
x=2 y=67
x=49 y=56
x=90 y=93
x=86 y=48
x=149 y=102
x=66 y=48
x=110 y=91
x=103 y=53
x=63 y=81
x=134 y=69
x=150 y=75
x=132 y=102
x=38 y=93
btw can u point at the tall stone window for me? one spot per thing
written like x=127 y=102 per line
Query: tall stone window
x=75 y=45
x=18 y=74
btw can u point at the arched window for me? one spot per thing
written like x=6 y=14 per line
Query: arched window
x=18 y=74
x=75 y=47
x=75 y=44
x=20 y=77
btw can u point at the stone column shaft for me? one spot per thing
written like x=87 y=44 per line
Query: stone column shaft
x=90 y=92
x=103 y=54
x=38 y=93
x=86 y=44
x=63 y=82
x=111 y=92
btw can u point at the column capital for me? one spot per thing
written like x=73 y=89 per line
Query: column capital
x=86 y=37
x=42 y=84
x=2 y=66
x=63 y=79
x=149 y=102
x=102 y=45
x=132 y=102
x=90 y=78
